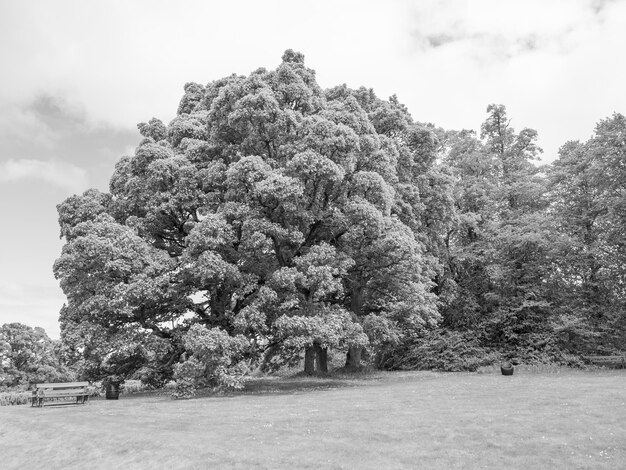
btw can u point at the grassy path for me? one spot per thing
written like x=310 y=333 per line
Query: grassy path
x=408 y=420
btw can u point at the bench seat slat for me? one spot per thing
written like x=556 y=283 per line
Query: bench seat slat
x=62 y=385
x=55 y=393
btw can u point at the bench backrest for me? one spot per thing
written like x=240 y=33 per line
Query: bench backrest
x=62 y=385
x=607 y=359
x=66 y=392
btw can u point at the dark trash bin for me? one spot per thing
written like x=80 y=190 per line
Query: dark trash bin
x=112 y=391
x=506 y=368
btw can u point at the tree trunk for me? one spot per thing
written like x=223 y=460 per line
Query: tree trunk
x=356 y=299
x=353 y=358
x=315 y=360
x=220 y=303
x=321 y=360
x=309 y=360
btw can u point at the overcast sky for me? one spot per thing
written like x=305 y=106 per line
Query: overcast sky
x=77 y=76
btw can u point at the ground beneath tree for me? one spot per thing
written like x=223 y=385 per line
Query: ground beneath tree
x=403 y=420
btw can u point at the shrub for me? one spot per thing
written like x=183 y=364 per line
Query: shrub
x=440 y=350
x=153 y=377
x=134 y=386
x=216 y=361
x=14 y=398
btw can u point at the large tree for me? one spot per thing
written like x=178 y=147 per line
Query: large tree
x=267 y=209
x=499 y=238
x=587 y=187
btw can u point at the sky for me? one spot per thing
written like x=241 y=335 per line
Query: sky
x=77 y=77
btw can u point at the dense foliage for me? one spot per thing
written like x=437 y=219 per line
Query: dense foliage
x=272 y=221
x=28 y=355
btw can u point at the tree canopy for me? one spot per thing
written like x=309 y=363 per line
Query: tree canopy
x=268 y=209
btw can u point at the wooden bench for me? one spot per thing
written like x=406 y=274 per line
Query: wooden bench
x=612 y=361
x=57 y=391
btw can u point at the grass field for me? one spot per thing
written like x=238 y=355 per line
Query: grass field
x=565 y=420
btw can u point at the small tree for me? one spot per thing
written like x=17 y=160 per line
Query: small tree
x=216 y=360
x=28 y=355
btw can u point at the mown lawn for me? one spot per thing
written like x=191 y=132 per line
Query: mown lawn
x=406 y=420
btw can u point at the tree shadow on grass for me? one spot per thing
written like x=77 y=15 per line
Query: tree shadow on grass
x=296 y=383
x=273 y=385
x=268 y=385
x=336 y=379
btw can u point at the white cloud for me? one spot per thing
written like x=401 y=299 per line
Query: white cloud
x=61 y=174
x=554 y=64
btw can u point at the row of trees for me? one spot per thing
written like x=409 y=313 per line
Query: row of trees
x=272 y=220
x=532 y=256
